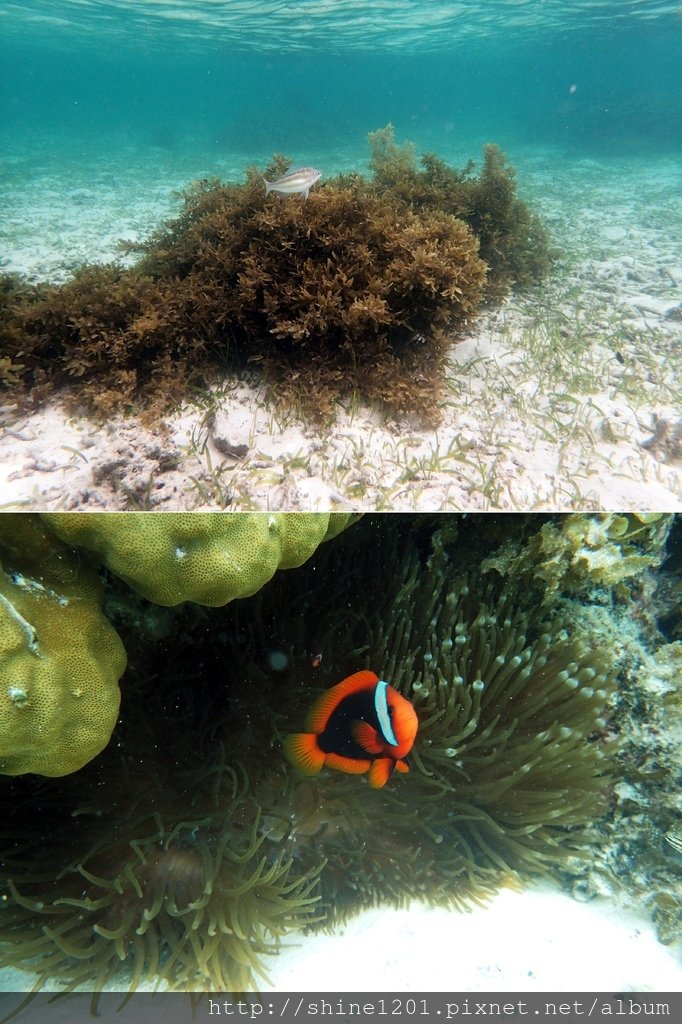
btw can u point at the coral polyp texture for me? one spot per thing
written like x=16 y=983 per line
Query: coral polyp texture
x=60 y=658
x=363 y=287
x=187 y=852
x=210 y=559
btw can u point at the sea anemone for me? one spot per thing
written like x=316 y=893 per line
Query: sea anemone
x=191 y=903
x=510 y=769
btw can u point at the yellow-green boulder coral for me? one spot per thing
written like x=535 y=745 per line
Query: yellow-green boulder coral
x=209 y=558
x=60 y=659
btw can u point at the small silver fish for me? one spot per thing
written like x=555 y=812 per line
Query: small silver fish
x=300 y=180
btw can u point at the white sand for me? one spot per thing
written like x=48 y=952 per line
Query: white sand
x=539 y=940
x=571 y=398
x=535 y=941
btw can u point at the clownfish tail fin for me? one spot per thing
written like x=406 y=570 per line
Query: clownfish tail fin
x=302 y=751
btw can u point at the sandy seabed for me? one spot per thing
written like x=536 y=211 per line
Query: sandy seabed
x=540 y=940
x=569 y=397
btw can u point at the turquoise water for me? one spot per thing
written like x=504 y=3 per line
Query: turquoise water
x=84 y=80
x=109 y=109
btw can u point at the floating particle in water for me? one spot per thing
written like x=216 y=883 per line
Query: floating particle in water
x=278 y=661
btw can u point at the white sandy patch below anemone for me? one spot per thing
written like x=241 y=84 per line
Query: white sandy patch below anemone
x=538 y=940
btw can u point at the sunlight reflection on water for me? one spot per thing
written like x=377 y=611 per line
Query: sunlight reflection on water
x=412 y=25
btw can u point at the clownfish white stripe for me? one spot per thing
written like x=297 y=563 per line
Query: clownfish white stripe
x=381 y=708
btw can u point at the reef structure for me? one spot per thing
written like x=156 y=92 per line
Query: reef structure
x=61 y=659
x=188 y=850
x=210 y=559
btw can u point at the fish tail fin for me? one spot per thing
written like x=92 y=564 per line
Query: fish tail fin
x=380 y=772
x=268 y=186
x=302 y=751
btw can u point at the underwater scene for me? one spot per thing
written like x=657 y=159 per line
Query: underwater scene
x=386 y=255
x=259 y=752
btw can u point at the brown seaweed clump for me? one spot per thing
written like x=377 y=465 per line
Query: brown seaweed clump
x=362 y=287
x=513 y=240
x=346 y=291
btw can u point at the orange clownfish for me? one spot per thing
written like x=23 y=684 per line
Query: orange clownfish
x=361 y=725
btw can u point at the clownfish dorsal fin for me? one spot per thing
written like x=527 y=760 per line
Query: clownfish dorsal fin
x=302 y=751
x=366 y=737
x=328 y=702
x=381 y=708
x=380 y=771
